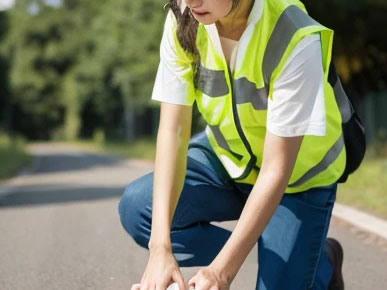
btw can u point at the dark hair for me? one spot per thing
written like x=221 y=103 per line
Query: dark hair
x=187 y=28
x=187 y=25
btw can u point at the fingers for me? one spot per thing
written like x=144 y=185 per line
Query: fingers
x=205 y=287
x=179 y=280
x=147 y=287
x=153 y=287
x=176 y=283
x=191 y=282
x=201 y=285
x=135 y=287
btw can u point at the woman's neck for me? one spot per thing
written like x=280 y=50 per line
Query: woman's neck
x=233 y=25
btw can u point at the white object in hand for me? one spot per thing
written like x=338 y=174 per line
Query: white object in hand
x=173 y=286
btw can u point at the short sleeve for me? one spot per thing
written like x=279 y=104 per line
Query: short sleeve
x=174 y=78
x=298 y=107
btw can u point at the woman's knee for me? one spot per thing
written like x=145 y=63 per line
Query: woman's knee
x=135 y=209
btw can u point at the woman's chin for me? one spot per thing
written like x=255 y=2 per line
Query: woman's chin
x=207 y=22
x=204 y=19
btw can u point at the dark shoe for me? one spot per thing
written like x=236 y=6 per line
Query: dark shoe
x=335 y=254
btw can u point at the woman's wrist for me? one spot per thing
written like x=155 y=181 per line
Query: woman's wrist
x=160 y=233
x=223 y=271
x=155 y=246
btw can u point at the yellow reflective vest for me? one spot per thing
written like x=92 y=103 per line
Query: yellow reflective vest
x=234 y=105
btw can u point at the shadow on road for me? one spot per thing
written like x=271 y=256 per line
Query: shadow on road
x=51 y=194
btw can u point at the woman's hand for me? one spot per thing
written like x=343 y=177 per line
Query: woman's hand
x=209 y=278
x=161 y=271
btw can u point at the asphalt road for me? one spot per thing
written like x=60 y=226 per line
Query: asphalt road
x=60 y=230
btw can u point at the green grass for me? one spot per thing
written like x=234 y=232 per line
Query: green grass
x=143 y=148
x=366 y=188
x=13 y=156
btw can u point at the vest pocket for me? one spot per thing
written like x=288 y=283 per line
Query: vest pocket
x=211 y=94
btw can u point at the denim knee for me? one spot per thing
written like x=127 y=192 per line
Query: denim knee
x=124 y=209
x=134 y=209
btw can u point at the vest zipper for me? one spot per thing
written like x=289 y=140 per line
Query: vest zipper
x=253 y=158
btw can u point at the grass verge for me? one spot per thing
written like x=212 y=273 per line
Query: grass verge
x=13 y=156
x=142 y=148
x=366 y=188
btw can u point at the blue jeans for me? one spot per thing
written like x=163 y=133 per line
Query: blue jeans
x=291 y=252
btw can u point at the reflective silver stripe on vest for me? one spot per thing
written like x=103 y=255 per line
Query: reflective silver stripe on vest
x=342 y=101
x=291 y=20
x=328 y=159
x=212 y=82
x=222 y=141
x=247 y=92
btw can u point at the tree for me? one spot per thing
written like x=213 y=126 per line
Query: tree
x=118 y=73
x=81 y=66
x=43 y=46
x=360 y=42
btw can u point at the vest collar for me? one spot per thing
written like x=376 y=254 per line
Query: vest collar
x=256 y=12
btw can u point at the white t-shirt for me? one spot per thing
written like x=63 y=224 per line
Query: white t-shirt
x=297 y=107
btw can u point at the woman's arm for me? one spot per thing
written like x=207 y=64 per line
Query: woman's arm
x=170 y=166
x=279 y=157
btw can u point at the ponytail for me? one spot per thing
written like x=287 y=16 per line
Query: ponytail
x=187 y=27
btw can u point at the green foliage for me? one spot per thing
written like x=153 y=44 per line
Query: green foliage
x=119 y=70
x=360 y=42
x=41 y=52
x=4 y=90
x=74 y=68
x=3 y=24
x=68 y=71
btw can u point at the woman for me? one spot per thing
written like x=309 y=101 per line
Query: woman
x=270 y=156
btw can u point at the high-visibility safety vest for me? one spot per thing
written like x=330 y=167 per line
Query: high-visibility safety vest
x=234 y=105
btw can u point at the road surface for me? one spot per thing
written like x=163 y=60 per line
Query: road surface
x=59 y=229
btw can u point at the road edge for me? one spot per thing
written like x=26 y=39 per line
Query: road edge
x=361 y=220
